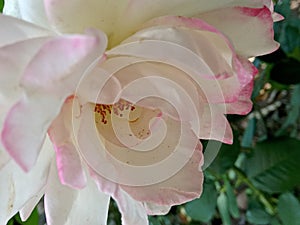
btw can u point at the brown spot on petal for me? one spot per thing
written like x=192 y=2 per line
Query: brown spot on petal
x=12 y=196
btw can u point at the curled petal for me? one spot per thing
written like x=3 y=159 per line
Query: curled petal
x=243 y=105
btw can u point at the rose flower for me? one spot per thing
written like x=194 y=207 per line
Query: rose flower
x=105 y=99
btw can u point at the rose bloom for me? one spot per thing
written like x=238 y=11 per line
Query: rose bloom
x=105 y=99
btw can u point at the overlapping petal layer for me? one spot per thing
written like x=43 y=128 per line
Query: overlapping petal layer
x=43 y=84
x=64 y=205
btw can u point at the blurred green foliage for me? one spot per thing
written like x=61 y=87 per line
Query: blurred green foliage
x=256 y=180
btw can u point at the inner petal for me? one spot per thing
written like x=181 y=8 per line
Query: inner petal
x=136 y=135
x=124 y=123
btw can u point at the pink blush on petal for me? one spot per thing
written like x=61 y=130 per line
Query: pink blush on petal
x=262 y=13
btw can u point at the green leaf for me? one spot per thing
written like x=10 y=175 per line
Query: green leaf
x=232 y=203
x=283 y=7
x=258 y=216
x=274 y=166
x=296 y=53
x=32 y=220
x=226 y=157
x=1 y=5
x=203 y=208
x=10 y=222
x=287 y=31
x=289 y=209
x=222 y=203
x=291 y=39
x=275 y=221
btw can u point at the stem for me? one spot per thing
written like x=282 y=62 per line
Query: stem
x=268 y=206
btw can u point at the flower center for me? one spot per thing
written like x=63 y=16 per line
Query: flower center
x=135 y=135
x=124 y=124
x=119 y=109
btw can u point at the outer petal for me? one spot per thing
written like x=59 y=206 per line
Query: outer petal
x=249 y=29
x=66 y=206
x=11 y=7
x=68 y=160
x=14 y=59
x=27 y=129
x=244 y=103
x=17 y=30
x=156 y=209
x=49 y=79
x=109 y=15
x=213 y=124
x=133 y=212
x=31 y=10
x=18 y=187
